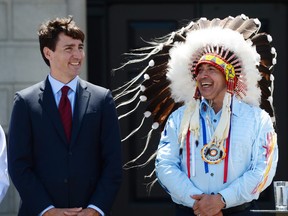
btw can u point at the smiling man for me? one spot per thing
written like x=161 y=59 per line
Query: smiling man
x=61 y=155
x=212 y=85
x=218 y=151
x=209 y=87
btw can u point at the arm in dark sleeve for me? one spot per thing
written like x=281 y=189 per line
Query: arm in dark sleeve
x=20 y=158
x=110 y=180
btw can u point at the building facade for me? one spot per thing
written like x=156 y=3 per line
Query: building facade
x=113 y=27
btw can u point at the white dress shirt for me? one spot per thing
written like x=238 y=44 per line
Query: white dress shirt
x=4 y=178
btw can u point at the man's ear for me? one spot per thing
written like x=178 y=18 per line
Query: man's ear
x=47 y=52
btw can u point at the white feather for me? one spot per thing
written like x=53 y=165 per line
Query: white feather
x=182 y=54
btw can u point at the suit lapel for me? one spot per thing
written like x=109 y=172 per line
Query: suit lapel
x=47 y=101
x=81 y=104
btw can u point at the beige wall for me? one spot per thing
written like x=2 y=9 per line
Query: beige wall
x=21 y=64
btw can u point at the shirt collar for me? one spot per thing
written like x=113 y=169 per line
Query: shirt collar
x=204 y=106
x=57 y=85
x=236 y=106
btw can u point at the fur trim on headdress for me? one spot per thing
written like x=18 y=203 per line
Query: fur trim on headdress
x=183 y=54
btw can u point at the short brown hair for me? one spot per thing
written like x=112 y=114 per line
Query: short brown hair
x=49 y=33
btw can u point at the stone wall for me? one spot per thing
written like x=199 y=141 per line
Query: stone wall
x=21 y=64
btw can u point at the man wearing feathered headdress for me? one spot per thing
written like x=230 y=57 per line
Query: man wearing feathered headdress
x=218 y=148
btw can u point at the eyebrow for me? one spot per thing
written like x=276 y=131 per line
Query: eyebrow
x=73 y=45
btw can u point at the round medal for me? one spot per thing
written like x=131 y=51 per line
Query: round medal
x=212 y=154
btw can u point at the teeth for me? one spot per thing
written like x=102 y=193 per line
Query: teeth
x=205 y=84
x=75 y=63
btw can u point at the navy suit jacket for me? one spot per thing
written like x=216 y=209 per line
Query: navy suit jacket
x=45 y=169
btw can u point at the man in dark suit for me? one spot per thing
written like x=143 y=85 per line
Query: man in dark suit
x=59 y=173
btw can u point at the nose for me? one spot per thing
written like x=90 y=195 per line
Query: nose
x=202 y=74
x=78 y=53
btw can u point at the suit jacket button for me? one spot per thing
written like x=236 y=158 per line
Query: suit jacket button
x=65 y=180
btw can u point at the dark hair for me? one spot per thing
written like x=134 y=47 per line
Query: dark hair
x=49 y=33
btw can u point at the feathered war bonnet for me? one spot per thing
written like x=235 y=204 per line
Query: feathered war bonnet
x=232 y=44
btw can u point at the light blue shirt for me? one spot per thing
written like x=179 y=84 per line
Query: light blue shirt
x=252 y=158
x=56 y=89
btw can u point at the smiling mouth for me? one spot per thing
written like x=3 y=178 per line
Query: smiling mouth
x=75 y=63
x=206 y=84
